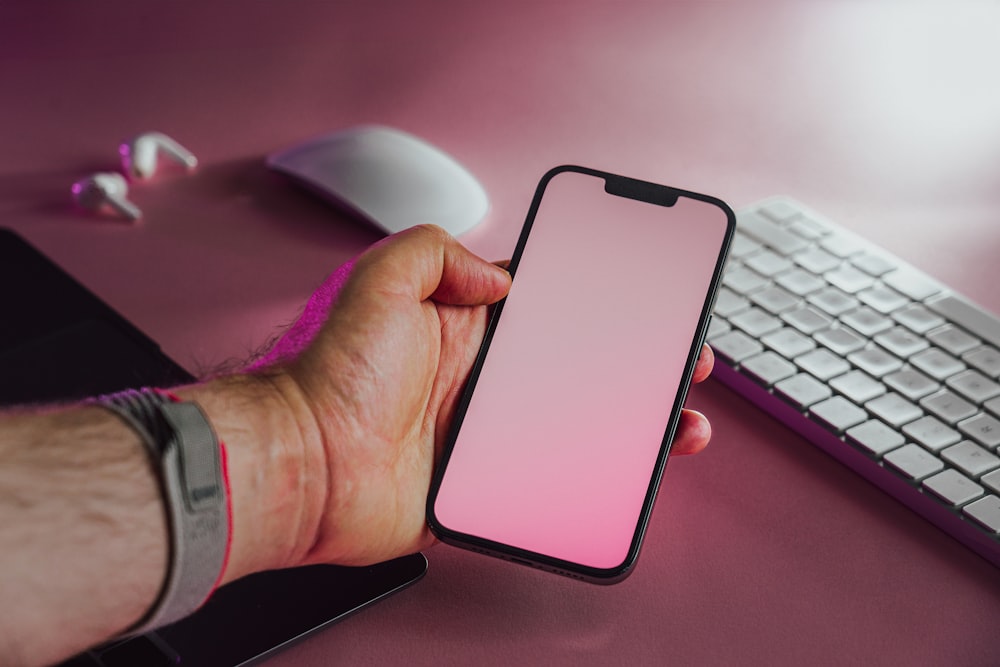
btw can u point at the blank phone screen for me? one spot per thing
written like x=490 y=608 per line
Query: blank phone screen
x=567 y=419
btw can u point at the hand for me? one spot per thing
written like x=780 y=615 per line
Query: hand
x=330 y=445
x=376 y=386
x=382 y=378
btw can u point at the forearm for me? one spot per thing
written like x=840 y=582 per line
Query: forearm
x=83 y=543
x=83 y=534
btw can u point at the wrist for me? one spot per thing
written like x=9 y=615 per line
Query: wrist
x=276 y=487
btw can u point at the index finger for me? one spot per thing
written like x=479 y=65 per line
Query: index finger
x=706 y=361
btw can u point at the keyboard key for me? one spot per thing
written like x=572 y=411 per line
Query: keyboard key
x=953 y=487
x=729 y=303
x=883 y=299
x=849 y=279
x=858 y=386
x=866 y=321
x=767 y=263
x=911 y=383
x=948 y=406
x=808 y=320
x=743 y=245
x=840 y=245
x=735 y=346
x=755 y=322
x=744 y=281
x=780 y=210
x=800 y=282
x=816 y=261
x=837 y=414
x=716 y=327
x=991 y=481
x=986 y=359
x=968 y=316
x=902 y=342
x=873 y=265
x=808 y=229
x=985 y=512
x=768 y=368
x=767 y=232
x=917 y=318
x=875 y=361
x=913 y=284
x=802 y=390
x=971 y=459
x=774 y=299
x=788 y=342
x=914 y=462
x=833 y=301
x=840 y=340
x=974 y=386
x=993 y=405
x=822 y=364
x=982 y=428
x=894 y=409
x=931 y=433
x=874 y=438
x=937 y=363
x=952 y=339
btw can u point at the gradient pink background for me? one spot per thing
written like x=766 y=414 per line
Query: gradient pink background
x=882 y=115
x=561 y=437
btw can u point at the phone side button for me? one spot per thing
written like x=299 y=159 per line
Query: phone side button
x=704 y=333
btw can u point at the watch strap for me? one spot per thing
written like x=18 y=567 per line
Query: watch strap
x=190 y=464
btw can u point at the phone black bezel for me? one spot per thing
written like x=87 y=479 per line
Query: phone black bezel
x=623 y=186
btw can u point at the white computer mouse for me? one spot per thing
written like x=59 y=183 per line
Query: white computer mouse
x=388 y=178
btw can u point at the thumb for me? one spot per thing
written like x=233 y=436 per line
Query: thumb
x=427 y=262
x=469 y=280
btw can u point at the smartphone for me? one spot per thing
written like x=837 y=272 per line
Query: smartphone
x=561 y=436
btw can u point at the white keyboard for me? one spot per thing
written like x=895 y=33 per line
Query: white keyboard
x=869 y=358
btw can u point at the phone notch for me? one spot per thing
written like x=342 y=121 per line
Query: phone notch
x=652 y=193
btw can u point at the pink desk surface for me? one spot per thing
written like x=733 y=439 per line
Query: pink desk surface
x=883 y=115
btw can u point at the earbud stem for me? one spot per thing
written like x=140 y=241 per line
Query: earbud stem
x=125 y=208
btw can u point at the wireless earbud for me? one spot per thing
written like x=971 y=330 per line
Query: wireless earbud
x=105 y=190
x=140 y=154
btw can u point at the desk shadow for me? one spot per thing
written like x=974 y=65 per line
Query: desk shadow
x=277 y=201
x=495 y=603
